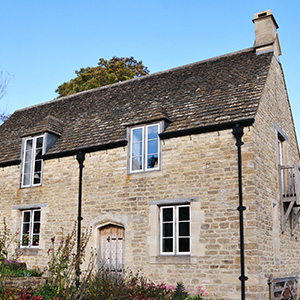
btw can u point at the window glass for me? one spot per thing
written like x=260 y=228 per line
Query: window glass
x=184 y=229
x=26 y=216
x=168 y=214
x=137 y=149
x=152 y=132
x=152 y=161
x=144 y=148
x=30 y=235
x=167 y=245
x=27 y=167
x=28 y=151
x=33 y=163
x=35 y=240
x=175 y=229
x=168 y=229
x=38 y=166
x=26 y=179
x=137 y=163
x=184 y=245
x=137 y=135
x=39 y=142
x=37 y=215
x=152 y=147
x=184 y=213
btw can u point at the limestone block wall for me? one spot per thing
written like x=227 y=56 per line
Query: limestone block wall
x=278 y=253
x=201 y=167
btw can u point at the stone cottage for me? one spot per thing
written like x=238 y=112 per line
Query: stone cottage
x=161 y=182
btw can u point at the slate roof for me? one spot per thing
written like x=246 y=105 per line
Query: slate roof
x=212 y=92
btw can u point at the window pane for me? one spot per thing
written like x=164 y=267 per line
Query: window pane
x=137 y=149
x=184 y=229
x=167 y=245
x=37 y=216
x=137 y=135
x=38 y=153
x=26 y=228
x=28 y=145
x=184 y=213
x=36 y=228
x=168 y=214
x=167 y=229
x=152 y=132
x=184 y=245
x=152 y=161
x=26 y=216
x=28 y=156
x=153 y=147
x=38 y=166
x=137 y=163
x=35 y=240
x=37 y=178
x=26 y=180
x=27 y=167
x=25 y=240
x=39 y=142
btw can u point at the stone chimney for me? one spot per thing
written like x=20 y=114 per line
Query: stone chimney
x=266 y=38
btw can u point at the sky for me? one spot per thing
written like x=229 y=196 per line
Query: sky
x=44 y=42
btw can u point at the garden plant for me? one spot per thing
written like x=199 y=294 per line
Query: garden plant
x=61 y=276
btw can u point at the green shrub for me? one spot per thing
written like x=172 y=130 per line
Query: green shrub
x=64 y=260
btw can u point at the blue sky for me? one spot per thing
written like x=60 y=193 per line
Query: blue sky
x=44 y=42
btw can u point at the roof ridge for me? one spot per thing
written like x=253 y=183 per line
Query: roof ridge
x=137 y=78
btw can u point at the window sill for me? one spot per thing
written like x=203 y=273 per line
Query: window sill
x=31 y=251
x=30 y=186
x=144 y=172
x=173 y=259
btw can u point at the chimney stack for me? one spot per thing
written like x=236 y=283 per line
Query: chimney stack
x=266 y=38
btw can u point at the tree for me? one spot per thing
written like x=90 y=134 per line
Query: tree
x=4 y=79
x=107 y=72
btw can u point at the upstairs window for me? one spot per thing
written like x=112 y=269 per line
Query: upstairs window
x=32 y=161
x=175 y=233
x=144 y=148
x=30 y=228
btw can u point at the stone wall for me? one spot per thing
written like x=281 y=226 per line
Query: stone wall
x=201 y=167
x=278 y=253
x=24 y=282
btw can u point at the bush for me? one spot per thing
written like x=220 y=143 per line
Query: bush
x=113 y=285
x=63 y=278
x=63 y=266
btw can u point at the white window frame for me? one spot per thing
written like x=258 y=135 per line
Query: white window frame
x=31 y=227
x=175 y=235
x=145 y=149
x=33 y=160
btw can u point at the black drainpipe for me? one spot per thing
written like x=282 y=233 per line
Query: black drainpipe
x=80 y=158
x=238 y=132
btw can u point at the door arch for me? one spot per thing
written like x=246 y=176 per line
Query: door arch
x=111 y=248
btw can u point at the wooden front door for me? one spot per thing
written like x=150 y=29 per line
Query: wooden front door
x=111 y=248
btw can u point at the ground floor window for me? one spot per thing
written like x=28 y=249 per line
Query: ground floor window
x=175 y=233
x=30 y=228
